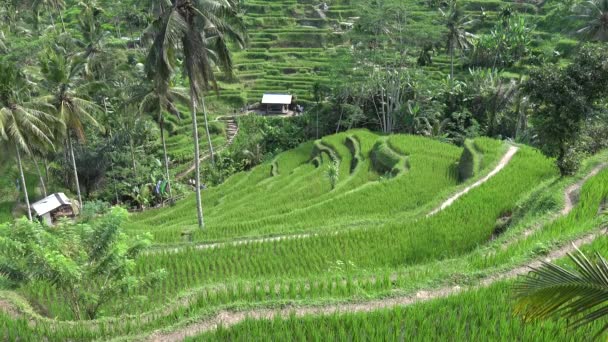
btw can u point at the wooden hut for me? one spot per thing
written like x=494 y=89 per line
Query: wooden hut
x=276 y=103
x=53 y=207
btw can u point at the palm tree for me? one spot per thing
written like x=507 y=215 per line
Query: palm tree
x=67 y=97
x=51 y=5
x=97 y=59
x=200 y=31
x=580 y=292
x=457 y=37
x=23 y=124
x=595 y=15
x=159 y=99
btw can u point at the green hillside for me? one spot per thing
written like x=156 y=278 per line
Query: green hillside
x=443 y=151
x=391 y=256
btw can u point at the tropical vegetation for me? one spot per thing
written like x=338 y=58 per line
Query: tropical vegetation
x=433 y=149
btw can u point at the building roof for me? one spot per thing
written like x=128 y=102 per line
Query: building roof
x=276 y=99
x=51 y=203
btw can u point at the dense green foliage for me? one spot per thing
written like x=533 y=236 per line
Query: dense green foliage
x=87 y=265
x=406 y=104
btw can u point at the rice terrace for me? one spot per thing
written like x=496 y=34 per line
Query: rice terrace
x=303 y=170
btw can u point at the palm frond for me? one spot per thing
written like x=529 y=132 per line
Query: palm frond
x=580 y=293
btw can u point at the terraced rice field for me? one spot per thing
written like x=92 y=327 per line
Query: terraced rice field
x=293 y=43
x=353 y=258
x=378 y=178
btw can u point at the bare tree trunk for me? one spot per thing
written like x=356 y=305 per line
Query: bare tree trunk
x=340 y=119
x=197 y=164
x=161 y=122
x=46 y=170
x=317 y=134
x=112 y=168
x=76 y=181
x=452 y=67
x=62 y=22
x=27 y=200
x=211 y=153
x=42 y=184
x=52 y=19
x=133 y=164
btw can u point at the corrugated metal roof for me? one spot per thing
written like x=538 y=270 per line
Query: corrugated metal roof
x=276 y=99
x=51 y=203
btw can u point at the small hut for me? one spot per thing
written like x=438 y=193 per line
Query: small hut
x=53 y=207
x=276 y=103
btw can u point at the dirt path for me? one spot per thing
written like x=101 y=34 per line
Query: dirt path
x=204 y=246
x=572 y=192
x=571 y=197
x=320 y=12
x=9 y=309
x=229 y=318
x=501 y=165
x=231 y=131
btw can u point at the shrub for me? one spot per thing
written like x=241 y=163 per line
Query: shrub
x=470 y=161
x=76 y=259
x=333 y=173
x=569 y=163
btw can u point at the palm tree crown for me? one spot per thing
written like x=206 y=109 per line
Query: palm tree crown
x=595 y=15
x=457 y=37
x=73 y=108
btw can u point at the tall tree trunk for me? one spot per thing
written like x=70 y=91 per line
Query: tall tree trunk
x=76 y=181
x=52 y=19
x=211 y=153
x=114 y=181
x=42 y=184
x=317 y=130
x=46 y=170
x=161 y=122
x=62 y=22
x=340 y=119
x=197 y=163
x=452 y=67
x=27 y=199
x=133 y=164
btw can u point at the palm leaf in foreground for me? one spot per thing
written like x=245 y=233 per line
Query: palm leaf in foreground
x=580 y=293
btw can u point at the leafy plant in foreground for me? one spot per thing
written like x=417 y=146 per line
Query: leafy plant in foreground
x=579 y=293
x=89 y=265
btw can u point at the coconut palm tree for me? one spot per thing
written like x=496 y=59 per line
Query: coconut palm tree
x=159 y=99
x=457 y=37
x=200 y=31
x=579 y=292
x=51 y=6
x=23 y=124
x=98 y=59
x=595 y=15
x=67 y=96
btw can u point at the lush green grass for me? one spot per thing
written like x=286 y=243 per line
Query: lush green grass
x=299 y=198
x=391 y=242
x=479 y=314
x=483 y=315
x=346 y=281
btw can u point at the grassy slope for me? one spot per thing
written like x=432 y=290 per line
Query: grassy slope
x=299 y=197
x=352 y=285
x=459 y=270
x=356 y=198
